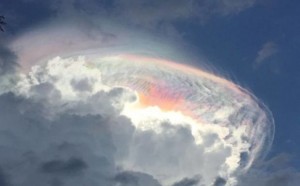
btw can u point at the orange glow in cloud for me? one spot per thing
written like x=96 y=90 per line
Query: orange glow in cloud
x=162 y=98
x=167 y=99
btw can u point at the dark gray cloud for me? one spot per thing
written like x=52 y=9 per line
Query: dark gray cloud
x=2 y=23
x=8 y=60
x=8 y=67
x=37 y=151
x=4 y=179
x=82 y=85
x=220 y=182
x=126 y=178
x=188 y=182
x=69 y=167
x=129 y=178
x=67 y=149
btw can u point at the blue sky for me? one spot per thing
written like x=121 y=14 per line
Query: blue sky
x=255 y=43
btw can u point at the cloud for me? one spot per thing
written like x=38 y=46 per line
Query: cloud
x=220 y=182
x=3 y=179
x=41 y=146
x=69 y=87
x=285 y=177
x=8 y=60
x=157 y=12
x=55 y=133
x=188 y=182
x=91 y=18
x=227 y=7
x=37 y=151
x=158 y=17
x=70 y=166
x=154 y=15
x=63 y=124
x=273 y=172
x=267 y=50
x=129 y=178
x=8 y=67
x=23 y=14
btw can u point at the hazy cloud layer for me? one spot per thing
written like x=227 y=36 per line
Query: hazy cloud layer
x=157 y=12
x=153 y=14
x=274 y=172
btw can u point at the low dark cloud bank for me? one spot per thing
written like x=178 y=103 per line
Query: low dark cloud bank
x=68 y=150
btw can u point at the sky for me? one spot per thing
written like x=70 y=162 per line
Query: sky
x=254 y=43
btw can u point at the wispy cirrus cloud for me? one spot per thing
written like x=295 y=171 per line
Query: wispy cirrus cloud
x=267 y=50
